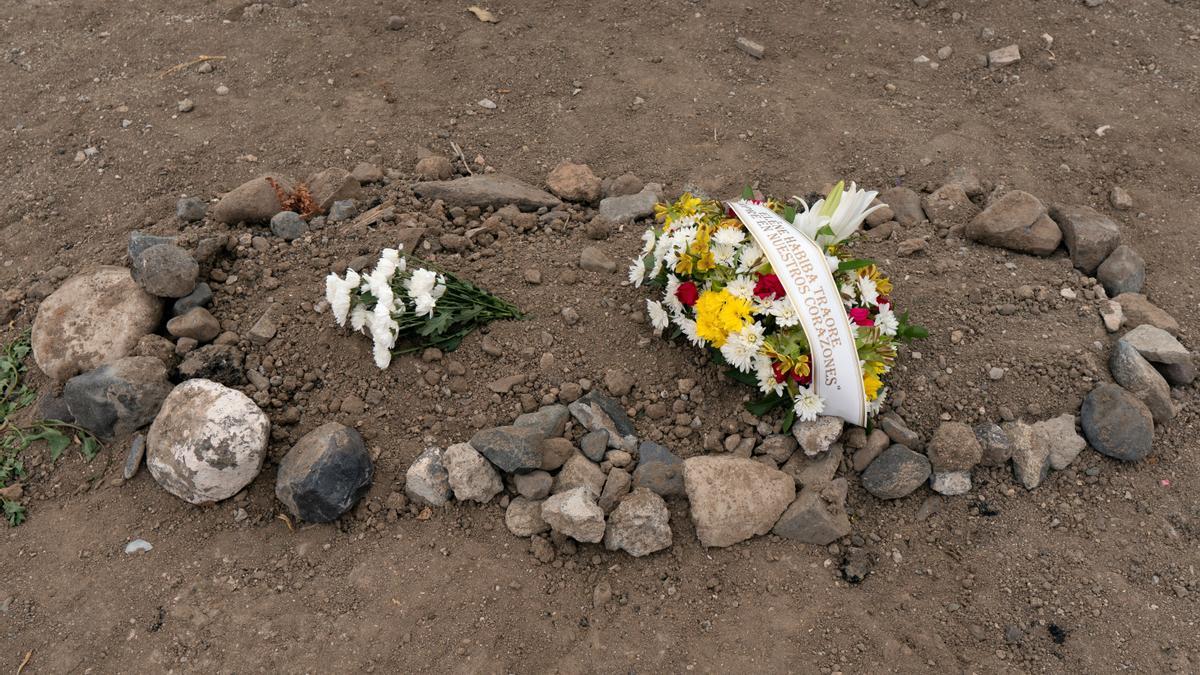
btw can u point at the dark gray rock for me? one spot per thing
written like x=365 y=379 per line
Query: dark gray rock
x=51 y=407
x=324 y=474
x=550 y=420
x=133 y=460
x=288 y=225
x=512 y=449
x=140 y=241
x=1123 y=271
x=628 y=208
x=897 y=472
x=220 y=363
x=815 y=470
x=191 y=209
x=1089 y=235
x=898 y=431
x=1117 y=424
x=659 y=470
x=597 y=411
x=594 y=444
x=818 y=516
x=201 y=296
x=118 y=398
x=342 y=210
x=1138 y=377
x=166 y=270
x=533 y=485
x=486 y=190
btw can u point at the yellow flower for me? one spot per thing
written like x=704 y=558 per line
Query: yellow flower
x=882 y=284
x=686 y=205
x=706 y=262
x=871 y=385
x=684 y=266
x=719 y=313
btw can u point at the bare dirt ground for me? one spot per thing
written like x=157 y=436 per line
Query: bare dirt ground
x=1093 y=572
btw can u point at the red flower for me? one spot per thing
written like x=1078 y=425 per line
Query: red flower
x=781 y=376
x=883 y=300
x=861 y=316
x=687 y=293
x=769 y=286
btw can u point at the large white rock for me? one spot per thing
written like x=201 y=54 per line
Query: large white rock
x=207 y=443
x=734 y=498
x=471 y=476
x=93 y=319
x=575 y=514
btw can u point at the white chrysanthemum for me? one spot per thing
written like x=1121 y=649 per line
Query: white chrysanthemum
x=724 y=254
x=421 y=282
x=385 y=269
x=669 y=294
x=423 y=305
x=833 y=261
x=808 y=405
x=359 y=317
x=751 y=257
x=648 y=242
x=887 y=321
x=873 y=407
x=682 y=237
x=741 y=287
x=383 y=333
x=658 y=316
x=337 y=294
x=765 y=371
x=868 y=291
x=390 y=254
x=637 y=272
x=741 y=348
x=684 y=222
x=689 y=331
x=784 y=313
x=729 y=236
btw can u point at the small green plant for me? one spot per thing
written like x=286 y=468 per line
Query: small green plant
x=16 y=437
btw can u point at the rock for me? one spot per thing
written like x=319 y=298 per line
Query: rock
x=201 y=296
x=1004 y=56
x=1061 y=440
x=779 y=447
x=342 y=210
x=288 y=225
x=207 y=443
x=190 y=209
x=1120 y=199
x=592 y=259
x=92 y=319
x=625 y=184
x=118 y=398
x=541 y=549
x=1016 y=221
x=1089 y=235
x=555 y=452
x=1117 y=424
x=1123 y=271
x=512 y=449
x=966 y=178
x=324 y=474
x=579 y=471
x=366 y=173
x=523 y=517
x=332 y=185
x=616 y=486
x=996 y=445
x=659 y=470
x=187 y=105
x=814 y=470
x=949 y=205
x=1135 y=374
x=220 y=363
x=594 y=444
x=1030 y=454
x=905 y=204
x=264 y=329
x=640 y=525
x=550 y=420
x=875 y=444
x=427 y=481
x=751 y=47
x=628 y=208
x=597 y=411
x=733 y=498
x=898 y=431
x=493 y=189
x=910 y=247
x=198 y=324
x=133 y=460
x=950 y=483
x=472 y=478
x=896 y=473
x=953 y=447
x=254 y=201
x=574 y=513
x=166 y=270
x=1155 y=345
x=618 y=382
x=818 y=516
x=574 y=182
x=1139 y=310
x=158 y=347
x=532 y=485
x=1112 y=315
x=815 y=437
x=434 y=168
x=395 y=22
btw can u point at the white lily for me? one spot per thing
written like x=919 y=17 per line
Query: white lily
x=843 y=212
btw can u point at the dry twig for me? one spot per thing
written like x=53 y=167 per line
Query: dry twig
x=462 y=158
x=187 y=64
x=25 y=661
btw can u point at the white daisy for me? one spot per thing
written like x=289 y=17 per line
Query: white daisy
x=741 y=348
x=751 y=257
x=873 y=407
x=729 y=236
x=868 y=291
x=658 y=316
x=784 y=313
x=689 y=331
x=808 y=405
x=637 y=272
x=337 y=294
x=886 y=320
x=648 y=242
x=765 y=371
x=741 y=287
x=669 y=295
x=723 y=254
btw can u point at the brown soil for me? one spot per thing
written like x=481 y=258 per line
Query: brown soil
x=1098 y=571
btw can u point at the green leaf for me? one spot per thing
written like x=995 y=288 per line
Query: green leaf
x=57 y=441
x=748 y=192
x=789 y=418
x=789 y=213
x=764 y=405
x=14 y=513
x=826 y=231
x=847 y=265
x=738 y=376
x=89 y=447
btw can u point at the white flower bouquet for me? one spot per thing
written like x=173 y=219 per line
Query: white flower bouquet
x=416 y=304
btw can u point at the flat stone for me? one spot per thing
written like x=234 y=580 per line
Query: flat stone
x=427 y=482
x=1030 y=454
x=366 y=173
x=967 y=178
x=1090 y=236
x=324 y=474
x=254 y=201
x=659 y=470
x=118 y=398
x=207 y=442
x=817 y=516
x=628 y=208
x=471 y=476
x=876 y=442
x=1117 y=424
x=1139 y=310
x=597 y=411
x=92 y=319
x=1160 y=348
x=523 y=517
x=640 y=525
x=751 y=47
x=486 y=190
x=953 y=447
x=1112 y=315
x=1060 y=437
x=733 y=498
x=1135 y=374
x=579 y=471
x=818 y=435
x=905 y=204
x=574 y=182
x=995 y=443
x=264 y=329
x=1017 y=221
x=133 y=459
x=950 y=483
x=550 y=420
x=198 y=323
x=818 y=470
x=220 y=363
x=948 y=206
x=594 y=444
x=898 y=431
x=616 y=486
x=779 y=447
x=592 y=259
x=575 y=514
x=512 y=449
x=201 y=296
x=1123 y=271
x=897 y=472
x=1004 y=56
x=288 y=225
x=332 y=185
